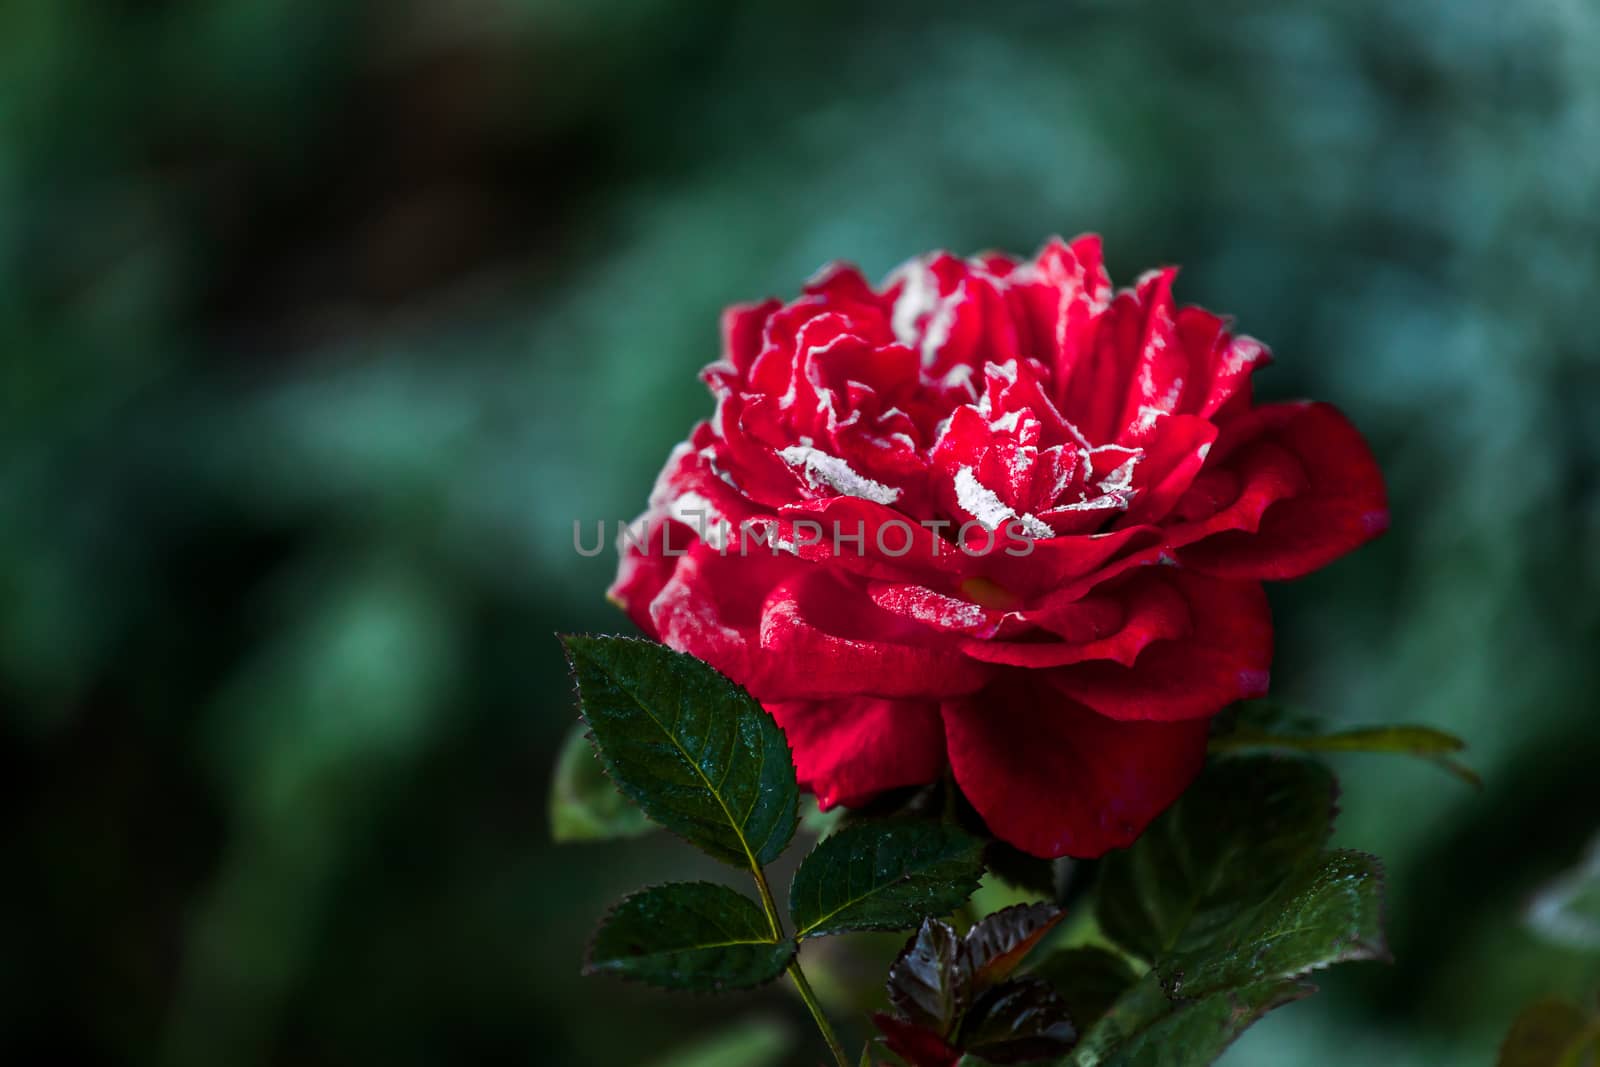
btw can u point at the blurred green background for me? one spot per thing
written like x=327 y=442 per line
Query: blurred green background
x=322 y=322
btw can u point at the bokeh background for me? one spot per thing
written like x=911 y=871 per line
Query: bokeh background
x=320 y=323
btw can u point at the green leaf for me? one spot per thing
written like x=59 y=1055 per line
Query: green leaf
x=1549 y=1033
x=1262 y=725
x=923 y=980
x=884 y=875
x=1020 y=871
x=690 y=747
x=689 y=935
x=584 y=805
x=1232 y=898
x=1224 y=848
x=1141 y=1006
x=1268 y=717
x=1020 y=1021
x=1197 y=1032
x=1089 y=979
x=1331 y=912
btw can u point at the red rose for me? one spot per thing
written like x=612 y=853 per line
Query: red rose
x=996 y=518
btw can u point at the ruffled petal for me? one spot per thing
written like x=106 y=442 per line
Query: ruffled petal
x=1175 y=450
x=848 y=750
x=1224 y=363
x=822 y=637
x=651 y=548
x=1338 y=501
x=1224 y=654
x=936 y=610
x=788 y=630
x=863 y=537
x=742 y=329
x=1070 y=289
x=1133 y=363
x=1070 y=565
x=1055 y=779
x=711 y=608
x=1147 y=608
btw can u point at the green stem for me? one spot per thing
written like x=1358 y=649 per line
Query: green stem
x=801 y=985
x=768 y=905
x=810 y=997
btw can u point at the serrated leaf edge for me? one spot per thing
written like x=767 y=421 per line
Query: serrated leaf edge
x=812 y=930
x=1359 y=949
x=606 y=765
x=590 y=969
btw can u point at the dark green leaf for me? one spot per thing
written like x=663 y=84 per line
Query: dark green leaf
x=584 y=805
x=1018 y=1021
x=885 y=875
x=923 y=980
x=1089 y=979
x=689 y=935
x=999 y=943
x=1330 y=912
x=1548 y=1033
x=1019 y=870
x=1232 y=898
x=1223 y=849
x=1143 y=1005
x=1268 y=717
x=1196 y=1032
x=694 y=750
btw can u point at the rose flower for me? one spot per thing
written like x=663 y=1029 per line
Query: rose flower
x=994 y=519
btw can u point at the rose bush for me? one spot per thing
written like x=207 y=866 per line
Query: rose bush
x=995 y=518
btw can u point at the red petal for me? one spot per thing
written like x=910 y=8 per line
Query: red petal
x=712 y=608
x=691 y=488
x=1339 y=505
x=1224 y=362
x=1174 y=452
x=742 y=329
x=1224 y=656
x=843 y=286
x=822 y=637
x=1235 y=497
x=652 y=548
x=847 y=751
x=1055 y=779
x=1151 y=609
x=891 y=545
x=934 y=609
x=1071 y=565
x=1073 y=288
x=789 y=630
x=1100 y=380
x=1159 y=367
